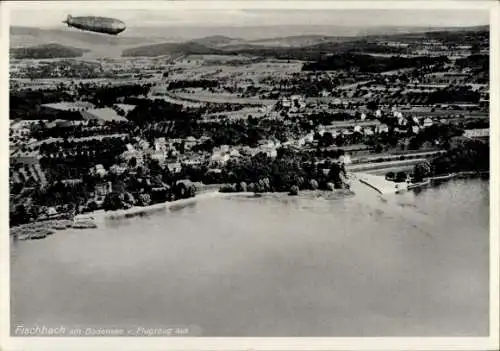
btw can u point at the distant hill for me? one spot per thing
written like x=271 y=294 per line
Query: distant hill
x=215 y=41
x=189 y=48
x=294 y=41
x=258 y=33
x=326 y=45
x=95 y=43
x=47 y=51
x=17 y=34
x=274 y=47
x=271 y=41
x=447 y=34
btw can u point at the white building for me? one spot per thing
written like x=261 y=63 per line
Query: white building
x=428 y=122
x=116 y=169
x=477 y=133
x=143 y=144
x=190 y=142
x=368 y=131
x=174 y=167
x=220 y=157
x=383 y=128
x=308 y=138
x=234 y=153
x=223 y=148
x=160 y=156
x=160 y=144
x=298 y=101
x=99 y=170
x=270 y=148
x=346 y=159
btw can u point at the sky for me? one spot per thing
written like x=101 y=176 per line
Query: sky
x=191 y=13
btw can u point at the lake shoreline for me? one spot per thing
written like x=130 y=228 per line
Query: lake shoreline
x=173 y=205
x=42 y=229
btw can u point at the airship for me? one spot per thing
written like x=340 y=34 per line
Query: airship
x=96 y=24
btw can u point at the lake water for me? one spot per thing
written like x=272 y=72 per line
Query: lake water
x=413 y=266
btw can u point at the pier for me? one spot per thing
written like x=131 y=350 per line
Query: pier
x=378 y=183
x=364 y=184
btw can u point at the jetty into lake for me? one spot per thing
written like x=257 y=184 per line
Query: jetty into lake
x=377 y=183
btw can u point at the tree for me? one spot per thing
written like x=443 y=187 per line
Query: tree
x=144 y=199
x=182 y=147
x=112 y=202
x=372 y=105
x=294 y=190
x=475 y=49
x=92 y=206
x=19 y=215
x=155 y=168
x=328 y=139
x=400 y=177
x=422 y=170
x=242 y=186
x=191 y=190
x=132 y=162
x=313 y=183
x=415 y=143
x=181 y=190
x=334 y=174
x=340 y=140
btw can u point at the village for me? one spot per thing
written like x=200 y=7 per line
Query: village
x=85 y=130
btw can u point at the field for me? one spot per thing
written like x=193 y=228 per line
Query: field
x=222 y=98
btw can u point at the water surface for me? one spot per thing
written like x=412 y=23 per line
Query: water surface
x=272 y=267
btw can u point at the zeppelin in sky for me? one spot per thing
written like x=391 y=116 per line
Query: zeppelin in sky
x=96 y=24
